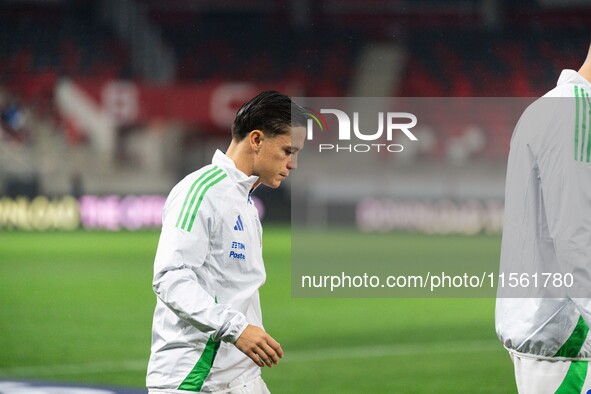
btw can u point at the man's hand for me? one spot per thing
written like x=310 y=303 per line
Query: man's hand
x=259 y=346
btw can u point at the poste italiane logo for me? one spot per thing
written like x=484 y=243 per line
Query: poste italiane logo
x=391 y=122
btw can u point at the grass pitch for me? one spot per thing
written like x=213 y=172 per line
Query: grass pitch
x=78 y=306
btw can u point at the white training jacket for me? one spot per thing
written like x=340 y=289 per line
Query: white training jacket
x=547 y=225
x=207 y=273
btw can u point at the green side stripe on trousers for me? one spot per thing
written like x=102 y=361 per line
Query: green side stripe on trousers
x=584 y=127
x=204 y=185
x=205 y=189
x=575 y=341
x=197 y=182
x=574 y=379
x=195 y=379
x=576 y=124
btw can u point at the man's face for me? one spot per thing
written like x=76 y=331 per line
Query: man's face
x=278 y=155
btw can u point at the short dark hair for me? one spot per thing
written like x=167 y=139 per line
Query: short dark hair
x=269 y=111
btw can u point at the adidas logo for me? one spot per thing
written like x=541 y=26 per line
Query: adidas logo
x=239 y=225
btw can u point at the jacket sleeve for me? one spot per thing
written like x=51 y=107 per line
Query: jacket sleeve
x=179 y=280
x=565 y=172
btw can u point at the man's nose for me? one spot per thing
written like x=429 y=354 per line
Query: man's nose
x=292 y=164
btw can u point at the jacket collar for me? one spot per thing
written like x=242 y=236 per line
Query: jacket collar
x=244 y=182
x=571 y=76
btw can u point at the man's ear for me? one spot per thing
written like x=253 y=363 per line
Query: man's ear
x=255 y=138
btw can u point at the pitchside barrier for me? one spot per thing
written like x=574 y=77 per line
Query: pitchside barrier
x=144 y=212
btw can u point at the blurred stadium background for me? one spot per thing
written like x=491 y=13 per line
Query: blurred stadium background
x=105 y=105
